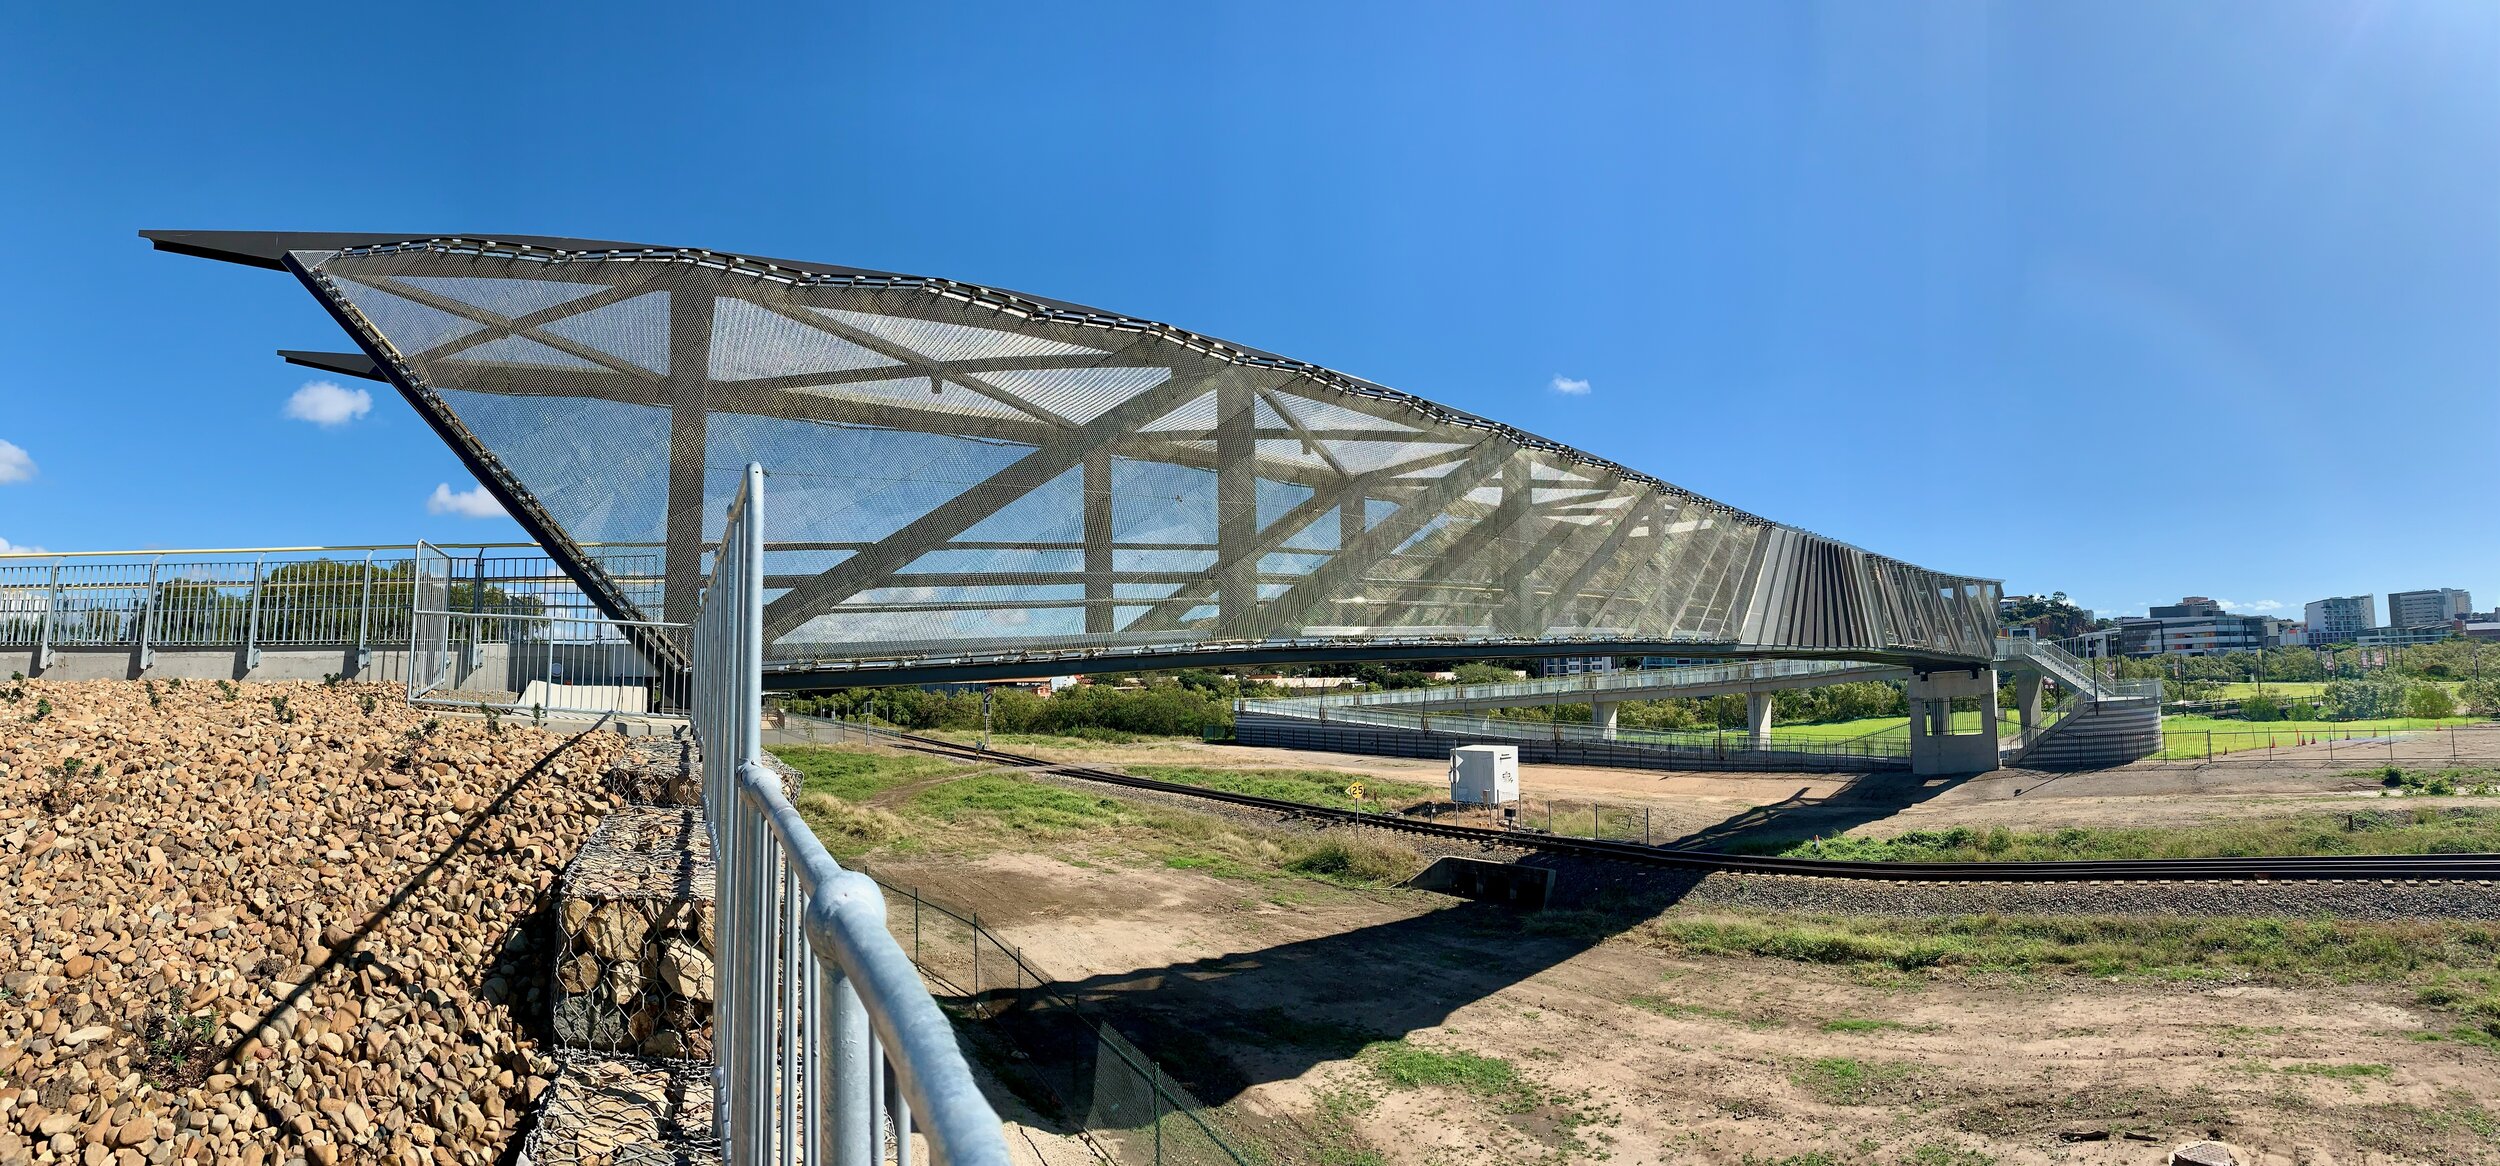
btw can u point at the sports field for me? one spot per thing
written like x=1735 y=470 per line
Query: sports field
x=2186 y=737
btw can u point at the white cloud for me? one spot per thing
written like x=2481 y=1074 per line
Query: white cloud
x=1569 y=387
x=2258 y=608
x=326 y=404
x=473 y=502
x=10 y=548
x=15 y=466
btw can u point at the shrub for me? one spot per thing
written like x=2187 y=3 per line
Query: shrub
x=1355 y=860
x=2430 y=701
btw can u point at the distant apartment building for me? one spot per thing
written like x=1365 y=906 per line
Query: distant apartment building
x=1552 y=666
x=2396 y=637
x=2340 y=620
x=2421 y=609
x=2195 y=626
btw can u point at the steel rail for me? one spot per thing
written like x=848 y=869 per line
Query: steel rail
x=2337 y=867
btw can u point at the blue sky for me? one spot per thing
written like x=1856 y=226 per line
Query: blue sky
x=2125 y=300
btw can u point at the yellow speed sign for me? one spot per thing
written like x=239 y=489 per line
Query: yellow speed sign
x=1355 y=791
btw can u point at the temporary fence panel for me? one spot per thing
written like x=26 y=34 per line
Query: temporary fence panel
x=829 y=1048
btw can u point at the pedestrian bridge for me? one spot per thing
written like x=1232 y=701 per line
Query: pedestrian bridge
x=973 y=482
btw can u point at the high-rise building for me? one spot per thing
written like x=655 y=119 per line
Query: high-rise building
x=2421 y=609
x=2340 y=620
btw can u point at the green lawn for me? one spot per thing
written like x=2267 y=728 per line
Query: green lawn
x=2399 y=831
x=858 y=776
x=1311 y=787
x=962 y=811
x=2195 y=736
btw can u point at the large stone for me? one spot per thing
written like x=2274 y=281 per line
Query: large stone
x=686 y=969
x=579 y=974
x=624 y=983
x=616 y=930
x=589 y=1022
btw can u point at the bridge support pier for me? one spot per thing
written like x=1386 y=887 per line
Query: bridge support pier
x=1758 y=719
x=1602 y=715
x=1941 y=743
x=2027 y=700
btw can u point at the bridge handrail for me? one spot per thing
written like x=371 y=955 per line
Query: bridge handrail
x=1717 y=741
x=2071 y=671
x=817 y=1007
x=1589 y=683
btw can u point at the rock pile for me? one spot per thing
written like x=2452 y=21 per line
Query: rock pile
x=274 y=924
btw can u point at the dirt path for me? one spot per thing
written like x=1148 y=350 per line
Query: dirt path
x=1262 y=995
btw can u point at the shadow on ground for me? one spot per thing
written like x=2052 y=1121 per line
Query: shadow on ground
x=1869 y=798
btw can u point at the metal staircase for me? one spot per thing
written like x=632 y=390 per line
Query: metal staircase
x=2098 y=723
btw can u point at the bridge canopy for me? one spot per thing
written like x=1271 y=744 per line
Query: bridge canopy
x=970 y=481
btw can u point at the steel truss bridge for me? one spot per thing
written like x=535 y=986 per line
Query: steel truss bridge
x=974 y=482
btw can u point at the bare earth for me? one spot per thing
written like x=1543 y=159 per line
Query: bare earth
x=1261 y=995
x=1711 y=807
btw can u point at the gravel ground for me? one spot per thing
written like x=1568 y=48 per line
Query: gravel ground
x=239 y=931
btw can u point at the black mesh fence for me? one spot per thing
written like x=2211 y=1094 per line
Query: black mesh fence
x=1099 y=1080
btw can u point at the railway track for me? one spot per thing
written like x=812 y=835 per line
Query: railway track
x=2321 y=868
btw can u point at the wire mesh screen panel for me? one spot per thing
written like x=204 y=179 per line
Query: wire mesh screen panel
x=962 y=471
x=429 y=637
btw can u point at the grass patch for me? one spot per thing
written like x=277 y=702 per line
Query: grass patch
x=849 y=829
x=1214 y=864
x=988 y=811
x=1022 y=806
x=1861 y=1024
x=1081 y=737
x=2416 y=831
x=2475 y=781
x=1406 y=1065
x=1355 y=860
x=857 y=774
x=2461 y=959
x=1849 y=1081
x=1675 y=1009
x=1311 y=787
x=1946 y=1154
x=2338 y=1072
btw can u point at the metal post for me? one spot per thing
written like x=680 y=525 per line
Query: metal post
x=51 y=610
x=251 y=627
x=147 y=619
x=852 y=1136
x=364 y=621
x=477 y=621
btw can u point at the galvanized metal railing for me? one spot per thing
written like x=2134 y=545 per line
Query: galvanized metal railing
x=268 y=597
x=830 y=1049
x=1562 y=689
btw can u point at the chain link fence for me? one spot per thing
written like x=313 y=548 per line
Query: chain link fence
x=2352 y=745
x=1103 y=1083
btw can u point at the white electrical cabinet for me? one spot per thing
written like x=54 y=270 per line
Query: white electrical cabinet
x=1484 y=775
